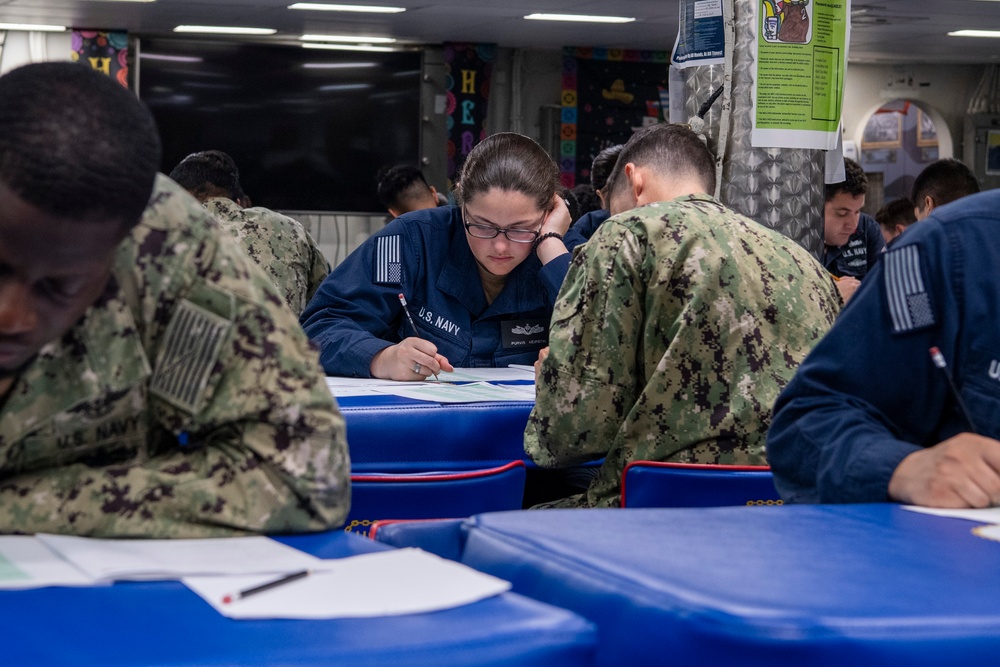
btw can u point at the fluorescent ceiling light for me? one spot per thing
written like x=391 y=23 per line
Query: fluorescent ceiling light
x=354 y=39
x=580 y=17
x=347 y=8
x=338 y=65
x=163 y=56
x=32 y=26
x=348 y=47
x=346 y=86
x=225 y=30
x=975 y=33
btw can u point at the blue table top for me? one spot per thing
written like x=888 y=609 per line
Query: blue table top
x=163 y=623
x=817 y=585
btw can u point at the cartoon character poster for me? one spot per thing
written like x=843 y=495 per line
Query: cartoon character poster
x=786 y=21
x=607 y=94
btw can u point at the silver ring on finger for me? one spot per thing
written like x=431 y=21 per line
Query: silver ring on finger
x=416 y=369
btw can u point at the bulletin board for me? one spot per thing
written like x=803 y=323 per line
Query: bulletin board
x=607 y=94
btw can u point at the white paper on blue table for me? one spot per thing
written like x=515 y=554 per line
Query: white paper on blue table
x=141 y=559
x=388 y=583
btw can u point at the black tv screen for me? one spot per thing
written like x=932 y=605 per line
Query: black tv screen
x=308 y=128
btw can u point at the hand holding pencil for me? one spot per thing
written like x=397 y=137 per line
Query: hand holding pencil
x=412 y=359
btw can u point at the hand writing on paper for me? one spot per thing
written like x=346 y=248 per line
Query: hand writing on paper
x=847 y=286
x=961 y=472
x=413 y=359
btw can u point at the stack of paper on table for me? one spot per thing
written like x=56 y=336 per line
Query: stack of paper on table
x=464 y=385
x=172 y=559
x=401 y=581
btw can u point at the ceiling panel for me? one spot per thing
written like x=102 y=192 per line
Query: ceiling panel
x=896 y=31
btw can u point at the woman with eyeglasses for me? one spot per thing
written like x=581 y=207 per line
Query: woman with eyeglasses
x=479 y=279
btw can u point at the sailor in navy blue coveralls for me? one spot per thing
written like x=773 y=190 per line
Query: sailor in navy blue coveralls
x=870 y=395
x=584 y=228
x=425 y=255
x=860 y=253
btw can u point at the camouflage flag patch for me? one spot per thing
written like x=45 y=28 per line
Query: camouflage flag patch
x=192 y=345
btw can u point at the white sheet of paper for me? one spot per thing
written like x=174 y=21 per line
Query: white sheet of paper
x=341 y=392
x=402 y=581
x=475 y=392
x=509 y=374
x=987 y=515
x=25 y=562
x=173 y=559
x=991 y=532
x=333 y=381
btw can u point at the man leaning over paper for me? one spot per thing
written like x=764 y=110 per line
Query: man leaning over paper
x=152 y=381
x=901 y=401
x=678 y=324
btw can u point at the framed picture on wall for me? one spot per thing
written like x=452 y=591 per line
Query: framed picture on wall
x=884 y=130
x=926 y=132
x=993 y=153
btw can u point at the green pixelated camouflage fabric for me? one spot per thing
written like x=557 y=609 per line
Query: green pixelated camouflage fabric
x=279 y=244
x=676 y=328
x=187 y=401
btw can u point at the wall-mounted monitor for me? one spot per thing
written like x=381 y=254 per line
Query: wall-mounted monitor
x=308 y=128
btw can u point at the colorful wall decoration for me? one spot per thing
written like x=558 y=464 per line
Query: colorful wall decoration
x=104 y=51
x=469 y=69
x=607 y=94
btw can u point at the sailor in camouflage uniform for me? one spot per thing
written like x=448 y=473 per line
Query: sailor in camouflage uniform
x=678 y=324
x=152 y=381
x=278 y=243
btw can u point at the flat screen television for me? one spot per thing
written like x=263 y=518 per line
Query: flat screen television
x=308 y=128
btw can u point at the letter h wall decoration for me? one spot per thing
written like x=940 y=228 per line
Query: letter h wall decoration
x=469 y=69
x=106 y=52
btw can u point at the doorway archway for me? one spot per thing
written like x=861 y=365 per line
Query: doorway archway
x=896 y=141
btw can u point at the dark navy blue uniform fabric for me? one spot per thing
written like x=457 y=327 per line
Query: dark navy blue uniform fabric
x=859 y=254
x=425 y=255
x=584 y=228
x=869 y=395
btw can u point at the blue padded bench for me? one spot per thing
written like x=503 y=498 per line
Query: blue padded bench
x=434 y=495
x=666 y=484
x=822 y=585
x=398 y=435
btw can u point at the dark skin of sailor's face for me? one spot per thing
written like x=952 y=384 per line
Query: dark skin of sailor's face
x=52 y=268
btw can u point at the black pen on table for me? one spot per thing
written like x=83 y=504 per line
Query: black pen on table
x=280 y=581
x=939 y=361
x=413 y=325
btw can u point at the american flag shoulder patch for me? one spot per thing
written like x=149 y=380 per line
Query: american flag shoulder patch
x=909 y=303
x=388 y=268
x=192 y=345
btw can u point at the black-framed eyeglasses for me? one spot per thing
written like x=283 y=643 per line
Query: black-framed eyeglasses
x=490 y=232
